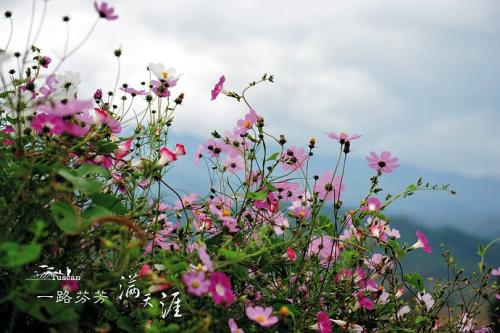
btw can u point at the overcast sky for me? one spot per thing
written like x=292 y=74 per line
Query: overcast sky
x=419 y=78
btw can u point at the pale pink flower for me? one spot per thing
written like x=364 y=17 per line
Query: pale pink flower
x=166 y=156
x=196 y=283
x=329 y=187
x=133 y=92
x=123 y=149
x=496 y=272
x=234 y=327
x=234 y=164
x=425 y=299
x=293 y=158
x=383 y=163
x=205 y=259
x=372 y=204
x=263 y=316
x=342 y=137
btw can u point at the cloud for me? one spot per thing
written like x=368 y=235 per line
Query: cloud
x=418 y=78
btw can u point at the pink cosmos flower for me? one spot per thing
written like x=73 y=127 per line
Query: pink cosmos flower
x=234 y=164
x=293 y=158
x=422 y=242
x=220 y=288
x=160 y=88
x=123 y=149
x=383 y=163
x=47 y=124
x=301 y=212
x=218 y=87
x=324 y=323
x=342 y=137
x=166 y=156
x=105 y=11
x=372 y=204
x=234 y=327
x=8 y=130
x=187 y=201
x=329 y=187
x=66 y=109
x=196 y=283
x=263 y=316
x=496 y=272
x=51 y=86
x=205 y=259
x=103 y=118
x=70 y=285
x=245 y=124
x=364 y=301
x=133 y=92
x=325 y=249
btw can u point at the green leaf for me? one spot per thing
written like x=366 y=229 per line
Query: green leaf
x=415 y=280
x=66 y=217
x=125 y=324
x=273 y=156
x=13 y=254
x=110 y=202
x=85 y=185
x=261 y=195
x=5 y=93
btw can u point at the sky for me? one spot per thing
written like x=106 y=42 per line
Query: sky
x=418 y=78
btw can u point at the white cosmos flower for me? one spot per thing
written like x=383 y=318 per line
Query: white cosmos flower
x=164 y=74
x=67 y=85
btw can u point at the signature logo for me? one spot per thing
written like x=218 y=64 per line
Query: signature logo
x=49 y=273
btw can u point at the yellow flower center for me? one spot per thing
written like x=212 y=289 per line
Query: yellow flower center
x=284 y=311
x=226 y=212
x=260 y=319
x=247 y=124
x=195 y=284
x=164 y=75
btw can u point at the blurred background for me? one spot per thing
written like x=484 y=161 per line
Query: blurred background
x=419 y=79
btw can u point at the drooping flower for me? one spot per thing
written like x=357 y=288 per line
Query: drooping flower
x=220 y=288
x=324 y=323
x=383 y=163
x=166 y=156
x=422 y=242
x=196 y=283
x=329 y=187
x=234 y=327
x=218 y=88
x=262 y=316
x=47 y=124
x=45 y=61
x=105 y=11
x=342 y=137
x=180 y=149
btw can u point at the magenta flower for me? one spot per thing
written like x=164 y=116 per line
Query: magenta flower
x=70 y=285
x=263 y=316
x=8 y=130
x=218 y=87
x=290 y=253
x=422 y=242
x=234 y=327
x=47 y=124
x=196 y=283
x=364 y=301
x=166 y=156
x=105 y=119
x=342 y=137
x=133 y=91
x=180 y=149
x=105 y=11
x=324 y=323
x=329 y=187
x=45 y=61
x=145 y=271
x=383 y=163
x=98 y=94
x=220 y=288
